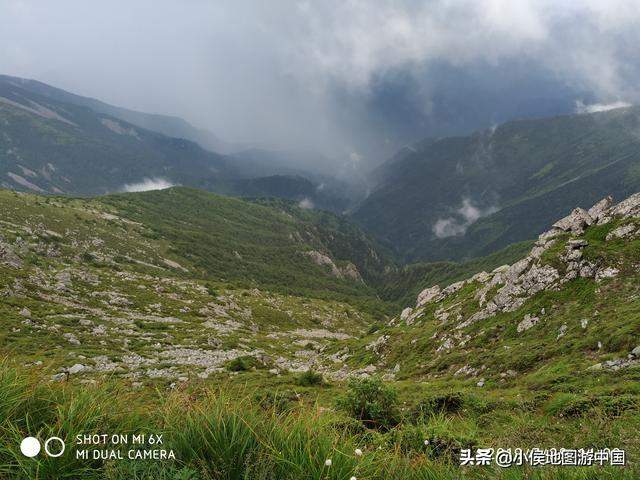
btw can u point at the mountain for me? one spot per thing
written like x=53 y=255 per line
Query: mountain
x=57 y=142
x=167 y=125
x=54 y=147
x=221 y=323
x=464 y=197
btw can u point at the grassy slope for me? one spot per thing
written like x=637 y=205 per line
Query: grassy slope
x=552 y=400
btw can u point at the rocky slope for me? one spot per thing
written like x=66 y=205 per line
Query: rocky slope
x=567 y=310
x=176 y=284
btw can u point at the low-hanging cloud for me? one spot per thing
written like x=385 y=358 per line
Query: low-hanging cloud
x=581 y=107
x=148 y=184
x=458 y=224
x=306 y=204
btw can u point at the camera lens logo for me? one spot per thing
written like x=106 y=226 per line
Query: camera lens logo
x=53 y=447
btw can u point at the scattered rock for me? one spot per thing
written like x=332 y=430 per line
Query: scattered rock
x=71 y=338
x=563 y=331
x=427 y=295
x=58 y=377
x=77 y=368
x=378 y=344
x=527 y=323
x=608 y=272
x=621 y=232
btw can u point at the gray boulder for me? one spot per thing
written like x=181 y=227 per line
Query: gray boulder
x=575 y=222
x=629 y=207
x=600 y=210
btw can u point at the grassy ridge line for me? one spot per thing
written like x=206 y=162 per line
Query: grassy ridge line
x=212 y=436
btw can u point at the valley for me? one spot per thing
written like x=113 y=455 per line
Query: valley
x=181 y=296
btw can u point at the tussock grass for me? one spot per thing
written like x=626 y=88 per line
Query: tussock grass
x=218 y=436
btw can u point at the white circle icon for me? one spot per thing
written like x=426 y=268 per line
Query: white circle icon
x=62 y=447
x=30 y=447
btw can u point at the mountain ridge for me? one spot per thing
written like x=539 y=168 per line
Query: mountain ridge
x=462 y=197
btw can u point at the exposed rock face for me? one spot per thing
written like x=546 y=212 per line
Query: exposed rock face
x=575 y=222
x=599 y=211
x=324 y=260
x=621 y=232
x=348 y=271
x=427 y=295
x=627 y=208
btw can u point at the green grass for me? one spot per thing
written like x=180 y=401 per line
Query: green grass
x=223 y=436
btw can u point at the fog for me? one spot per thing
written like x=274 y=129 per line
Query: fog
x=148 y=184
x=353 y=80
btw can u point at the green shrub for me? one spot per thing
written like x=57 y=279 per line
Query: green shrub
x=372 y=402
x=408 y=439
x=451 y=402
x=279 y=400
x=569 y=405
x=309 y=379
x=615 y=406
x=242 y=364
x=211 y=290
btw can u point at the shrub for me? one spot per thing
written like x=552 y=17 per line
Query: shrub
x=618 y=405
x=309 y=379
x=372 y=402
x=451 y=402
x=279 y=401
x=409 y=439
x=569 y=405
x=242 y=364
x=211 y=290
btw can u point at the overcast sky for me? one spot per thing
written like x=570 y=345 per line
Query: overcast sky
x=351 y=78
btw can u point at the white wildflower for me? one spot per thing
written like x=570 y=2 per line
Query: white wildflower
x=328 y=462
x=358 y=452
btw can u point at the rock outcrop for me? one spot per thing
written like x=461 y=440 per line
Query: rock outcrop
x=508 y=287
x=349 y=271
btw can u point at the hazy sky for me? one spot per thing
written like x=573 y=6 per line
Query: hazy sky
x=351 y=78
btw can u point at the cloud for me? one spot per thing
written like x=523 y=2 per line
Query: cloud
x=466 y=215
x=306 y=204
x=148 y=184
x=599 y=107
x=336 y=76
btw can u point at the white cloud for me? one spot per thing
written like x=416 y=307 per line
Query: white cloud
x=466 y=215
x=599 y=107
x=306 y=203
x=148 y=184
